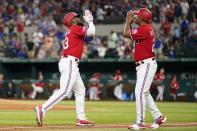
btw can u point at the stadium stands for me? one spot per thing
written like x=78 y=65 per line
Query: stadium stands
x=176 y=28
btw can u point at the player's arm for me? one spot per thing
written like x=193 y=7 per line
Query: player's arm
x=90 y=32
x=129 y=21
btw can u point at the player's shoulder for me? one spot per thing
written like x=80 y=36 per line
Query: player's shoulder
x=149 y=29
x=146 y=27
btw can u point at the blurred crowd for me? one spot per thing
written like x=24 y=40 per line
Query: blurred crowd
x=175 y=35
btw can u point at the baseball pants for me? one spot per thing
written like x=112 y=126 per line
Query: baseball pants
x=145 y=75
x=160 y=93
x=70 y=79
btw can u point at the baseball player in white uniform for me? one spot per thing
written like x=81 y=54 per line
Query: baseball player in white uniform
x=146 y=66
x=68 y=66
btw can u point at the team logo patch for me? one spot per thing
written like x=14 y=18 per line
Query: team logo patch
x=134 y=31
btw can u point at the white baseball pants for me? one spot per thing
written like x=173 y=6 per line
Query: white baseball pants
x=70 y=79
x=145 y=75
x=118 y=91
x=35 y=90
x=160 y=93
x=93 y=91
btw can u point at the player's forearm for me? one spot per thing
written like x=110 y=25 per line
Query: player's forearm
x=91 y=30
x=127 y=30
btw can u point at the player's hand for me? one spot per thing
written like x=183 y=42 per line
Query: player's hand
x=88 y=16
x=130 y=18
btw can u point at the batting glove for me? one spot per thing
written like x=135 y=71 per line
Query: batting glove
x=88 y=16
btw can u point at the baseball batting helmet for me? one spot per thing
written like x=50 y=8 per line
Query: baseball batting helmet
x=145 y=14
x=68 y=17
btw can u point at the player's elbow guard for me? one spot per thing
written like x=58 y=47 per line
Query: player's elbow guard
x=91 y=30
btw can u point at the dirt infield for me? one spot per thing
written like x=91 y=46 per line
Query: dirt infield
x=96 y=126
x=25 y=105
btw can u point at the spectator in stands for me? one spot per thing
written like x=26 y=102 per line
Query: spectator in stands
x=20 y=29
x=2 y=84
x=174 y=86
x=176 y=34
x=2 y=48
x=38 y=87
x=124 y=48
x=155 y=9
x=100 y=15
x=185 y=7
x=14 y=45
x=184 y=29
x=60 y=34
x=112 y=43
x=171 y=51
x=127 y=52
x=118 y=79
x=34 y=47
x=193 y=37
x=1 y=28
x=121 y=51
x=101 y=50
x=10 y=90
x=163 y=10
x=170 y=11
x=16 y=16
x=37 y=38
x=166 y=27
x=45 y=50
x=43 y=25
x=109 y=10
x=22 y=53
x=51 y=25
x=95 y=87
x=158 y=48
x=159 y=82
x=11 y=26
x=178 y=11
x=192 y=15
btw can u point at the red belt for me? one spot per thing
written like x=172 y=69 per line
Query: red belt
x=142 y=62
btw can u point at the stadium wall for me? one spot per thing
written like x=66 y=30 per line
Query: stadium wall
x=23 y=70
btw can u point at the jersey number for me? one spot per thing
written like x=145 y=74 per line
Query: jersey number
x=65 y=45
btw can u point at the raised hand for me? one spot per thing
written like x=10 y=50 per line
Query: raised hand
x=88 y=16
x=130 y=18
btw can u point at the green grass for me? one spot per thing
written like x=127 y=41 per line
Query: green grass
x=102 y=112
x=125 y=129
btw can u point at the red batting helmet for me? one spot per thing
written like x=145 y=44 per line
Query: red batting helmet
x=145 y=14
x=68 y=17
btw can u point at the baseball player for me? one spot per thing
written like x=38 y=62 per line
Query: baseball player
x=159 y=81
x=70 y=78
x=174 y=86
x=146 y=65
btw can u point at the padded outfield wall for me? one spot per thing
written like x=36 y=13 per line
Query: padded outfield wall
x=186 y=70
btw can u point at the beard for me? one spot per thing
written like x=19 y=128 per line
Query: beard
x=80 y=23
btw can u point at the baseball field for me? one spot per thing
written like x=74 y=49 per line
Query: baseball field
x=108 y=115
